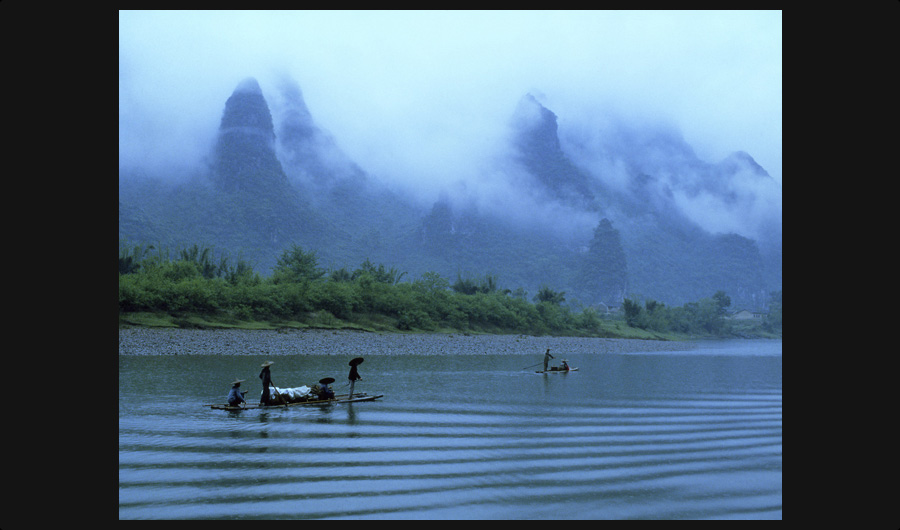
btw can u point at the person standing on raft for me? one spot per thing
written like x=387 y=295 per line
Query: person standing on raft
x=547 y=358
x=266 y=377
x=354 y=374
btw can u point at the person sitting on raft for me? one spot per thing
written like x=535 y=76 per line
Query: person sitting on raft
x=235 y=396
x=324 y=391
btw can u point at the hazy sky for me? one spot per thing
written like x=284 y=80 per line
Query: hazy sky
x=424 y=94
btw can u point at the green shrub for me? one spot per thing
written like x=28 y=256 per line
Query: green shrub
x=415 y=319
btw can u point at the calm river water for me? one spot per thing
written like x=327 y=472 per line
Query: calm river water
x=693 y=433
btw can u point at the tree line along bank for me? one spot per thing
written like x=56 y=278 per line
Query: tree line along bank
x=198 y=282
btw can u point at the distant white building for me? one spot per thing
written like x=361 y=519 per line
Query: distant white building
x=744 y=314
x=606 y=309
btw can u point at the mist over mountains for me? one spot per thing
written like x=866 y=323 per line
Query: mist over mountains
x=602 y=210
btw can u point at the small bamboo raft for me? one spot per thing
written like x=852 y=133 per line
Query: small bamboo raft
x=341 y=398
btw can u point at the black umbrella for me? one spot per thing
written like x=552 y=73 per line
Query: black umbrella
x=356 y=361
x=327 y=380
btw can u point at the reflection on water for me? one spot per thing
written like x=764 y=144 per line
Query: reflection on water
x=693 y=434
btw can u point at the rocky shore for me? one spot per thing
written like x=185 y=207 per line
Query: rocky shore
x=143 y=341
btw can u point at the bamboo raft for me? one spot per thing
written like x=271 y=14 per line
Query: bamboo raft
x=556 y=371
x=341 y=398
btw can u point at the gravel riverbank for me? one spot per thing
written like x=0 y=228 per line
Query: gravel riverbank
x=143 y=341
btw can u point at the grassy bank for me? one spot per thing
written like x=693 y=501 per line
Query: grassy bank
x=611 y=328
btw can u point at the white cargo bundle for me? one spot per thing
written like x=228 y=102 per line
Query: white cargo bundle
x=291 y=395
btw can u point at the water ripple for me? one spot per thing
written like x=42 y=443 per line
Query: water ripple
x=672 y=455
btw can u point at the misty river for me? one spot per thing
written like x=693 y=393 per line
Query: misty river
x=683 y=431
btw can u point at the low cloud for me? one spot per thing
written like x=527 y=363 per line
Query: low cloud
x=423 y=100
